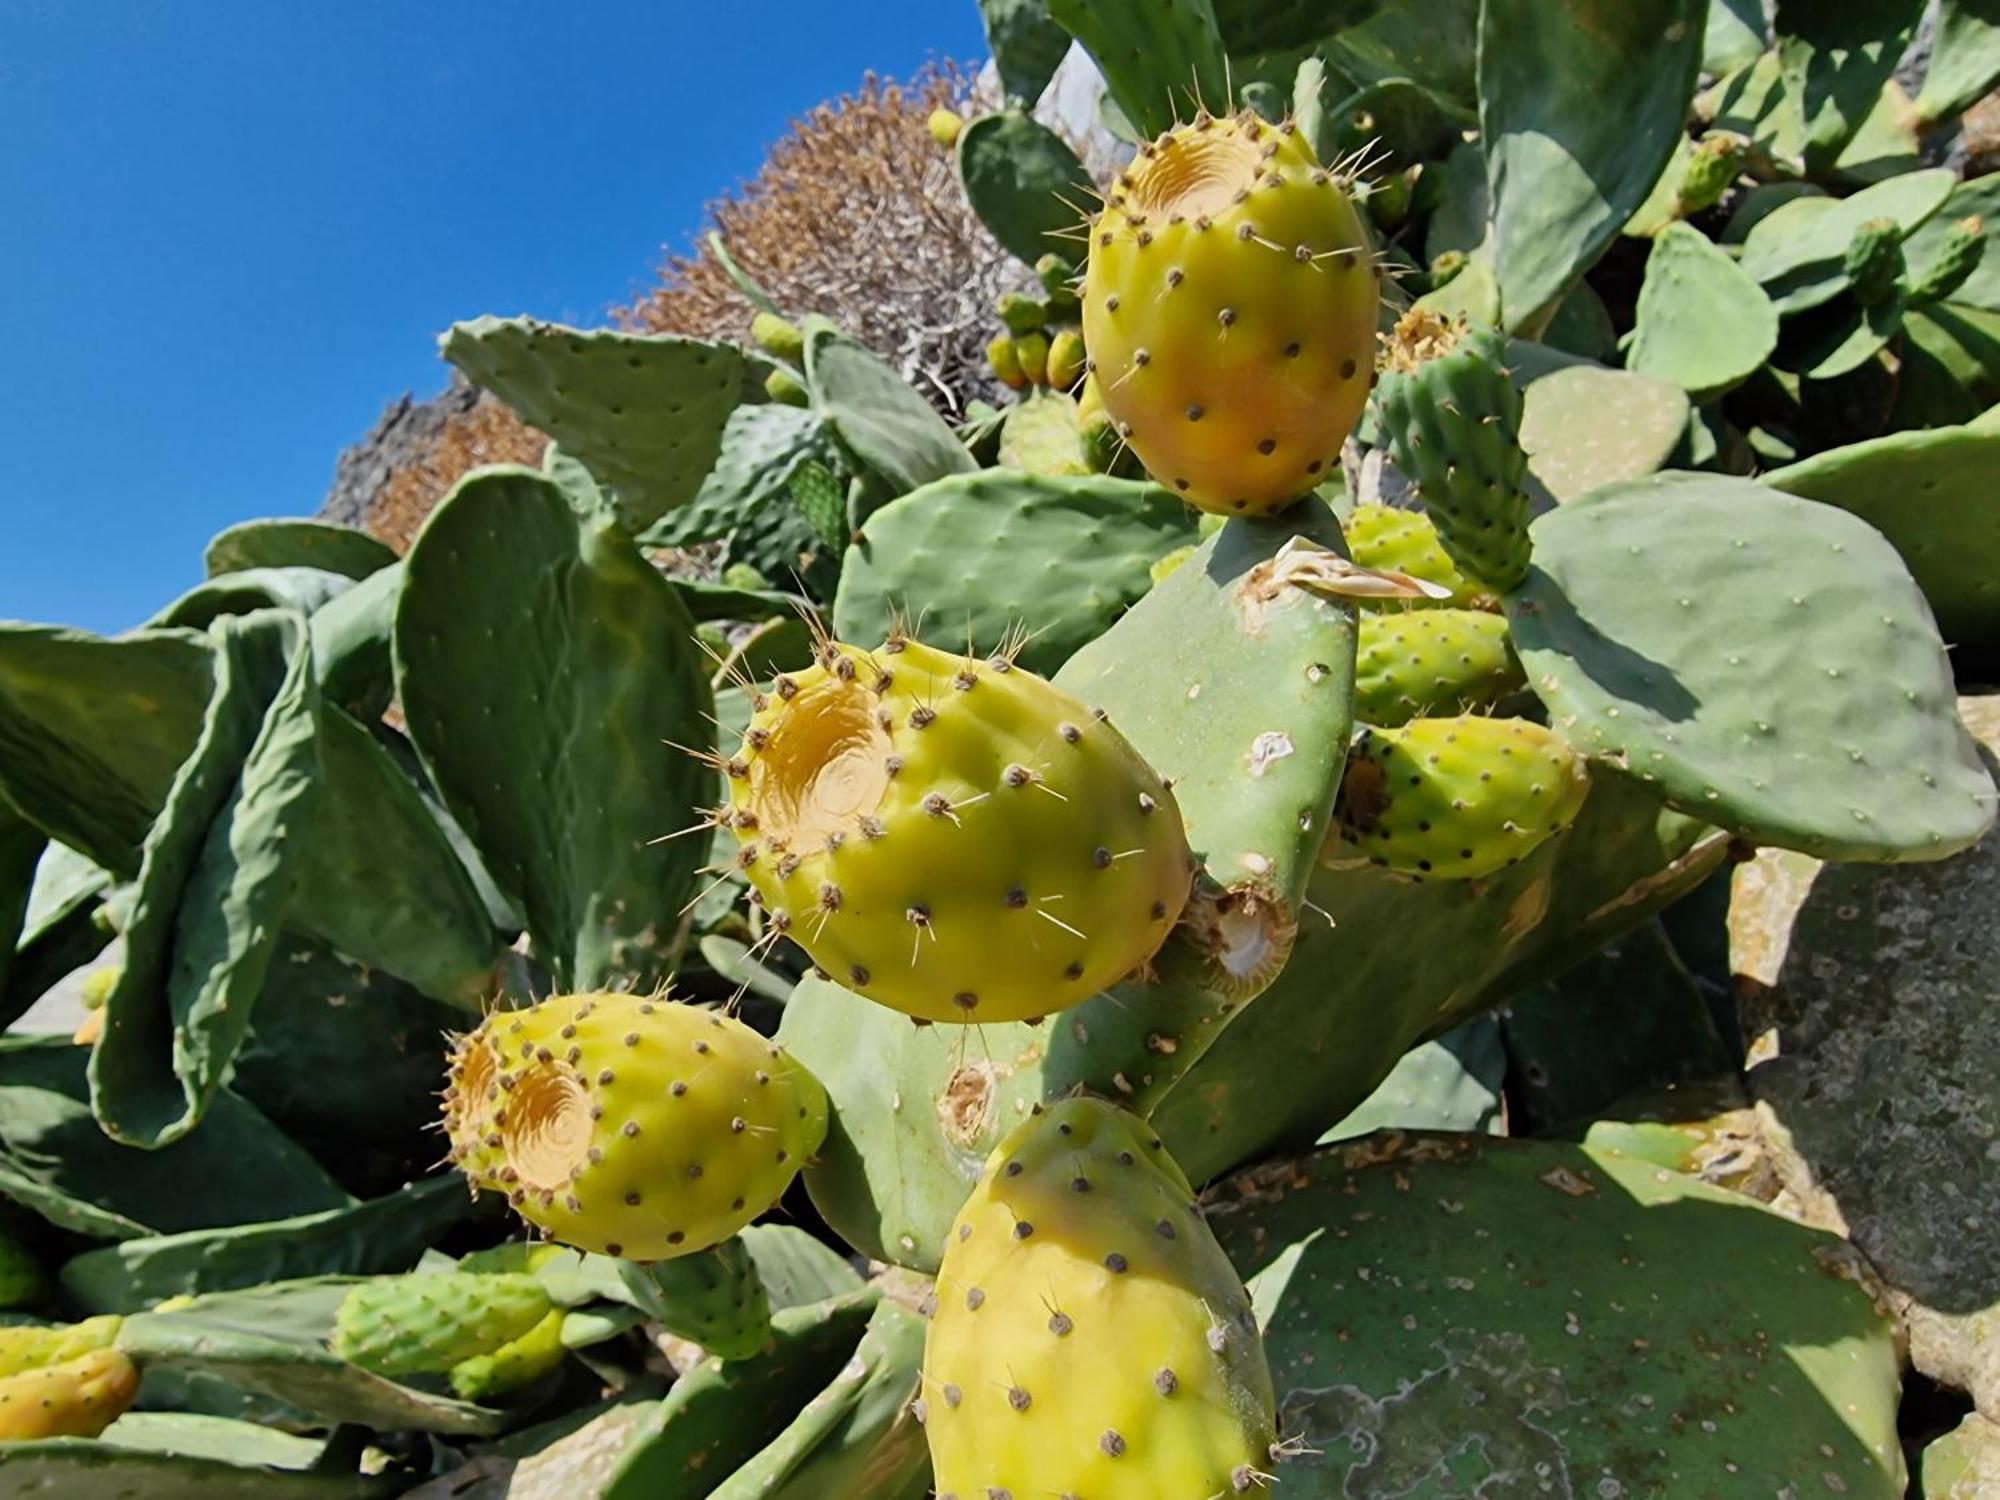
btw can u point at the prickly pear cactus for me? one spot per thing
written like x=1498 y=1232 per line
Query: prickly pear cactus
x=78 y=1398
x=23 y=1282
x=631 y=1126
x=1431 y=661
x=1458 y=798
x=1090 y=1337
x=1229 y=309
x=419 y=1325
x=1406 y=541
x=953 y=837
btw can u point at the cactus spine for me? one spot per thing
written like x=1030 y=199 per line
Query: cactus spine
x=1229 y=308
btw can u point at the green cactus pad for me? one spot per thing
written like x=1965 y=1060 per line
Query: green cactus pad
x=1575 y=1345
x=1458 y=798
x=1583 y=426
x=425 y=1324
x=821 y=500
x=216 y=874
x=1466 y=946
x=272 y=1341
x=350 y=638
x=719 y=1415
x=57 y=1163
x=1930 y=494
x=716 y=1298
x=645 y=413
x=1798 y=250
x=306 y=590
x=858 y=1439
x=762 y=448
x=385 y=1234
x=566 y=803
x=1025 y=183
x=289 y=543
x=1964 y=1464
x=1453 y=1083
x=1822 y=718
x=1027 y=46
x=1160 y=58
x=1453 y=423
x=1429 y=661
x=180 y=1456
x=997 y=552
x=1564 y=173
x=1702 y=322
x=23 y=1282
x=891 y=429
x=1090 y=1336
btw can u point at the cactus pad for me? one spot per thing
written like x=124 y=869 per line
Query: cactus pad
x=1810 y=707
x=953 y=837
x=23 y=1282
x=1453 y=422
x=1229 y=307
x=78 y=1398
x=1429 y=661
x=424 y=1324
x=1455 y=799
x=1091 y=1338
x=631 y=1126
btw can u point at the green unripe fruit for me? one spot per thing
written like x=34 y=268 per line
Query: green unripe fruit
x=1006 y=362
x=1710 y=168
x=632 y=1126
x=37 y=1348
x=98 y=985
x=1031 y=352
x=1065 y=360
x=23 y=1282
x=1022 y=313
x=1458 y=798
x=1416 y=663
x=777 y=337
x=513 y=1366
x=1404 y=541
x=78 y=1398
x=786 y=388
x=1091 y=1338
x=424 y=1324
x=956 y=839
x=1874 y=260
x=1230 y=305
x=1452 y=419
x=1056 y=272
x=944 y=126
x=1446 y=267
x=1958 y=255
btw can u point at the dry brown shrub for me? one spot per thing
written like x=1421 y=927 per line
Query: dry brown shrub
x=856 y=214
x=487 y=432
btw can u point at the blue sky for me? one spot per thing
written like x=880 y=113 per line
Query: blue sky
x=230 y=230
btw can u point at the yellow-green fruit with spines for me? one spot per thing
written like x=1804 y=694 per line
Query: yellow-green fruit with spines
x=634 y=1126
x=954 y=837
x=471 y=1096
x=1031 y=353
x=426 y=1323
x=1230 y=307
x=38 y=1348
x=1458 y=798
x=517 y=1363
x=778 y=336
x=1065 y=363
x=1406 y=541
x=1427 y=661
x=78 y=1398
x=1091 y=1338
x=1005 y=362
x=1022 y=313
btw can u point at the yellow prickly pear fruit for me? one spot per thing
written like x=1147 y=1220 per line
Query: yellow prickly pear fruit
x=78 y=1398
x=1031 y=352
x=1065 y=362
x=1230 y=306
x=38 y=1348
x=1006 y=364
x=515 y=1364
x=631 y=1126
x=954 y=838
x=1091 y=1338
x=944 y=126
x=1406 y=541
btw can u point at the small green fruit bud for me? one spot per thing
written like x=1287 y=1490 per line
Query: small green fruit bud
x=1006 y=363
x=1958 y=256
x=1022 y=313
x=1065 y=359
x=777 y=337
x=783 y=387
x=1031 y=352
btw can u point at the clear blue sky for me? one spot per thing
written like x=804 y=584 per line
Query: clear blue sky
x=230 y=230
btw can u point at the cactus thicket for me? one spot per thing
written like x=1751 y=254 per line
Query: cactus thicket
x=1127 y=806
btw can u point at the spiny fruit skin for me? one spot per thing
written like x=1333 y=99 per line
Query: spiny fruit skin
x=1458 y=798
x=1421 y=662
x=1406 y=541
x=716 y=1299
x=953 y=838
x=37 y=1348
x=78 y=1398
x=1065 y=363
x=424 y=1324
x=1874 y=260
x=1453 y=422
x=631 y=1126
x=1711 y=167
x=1091 y=1338
x=1229 y=307
x=515 y=1364
x=1958 y=256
